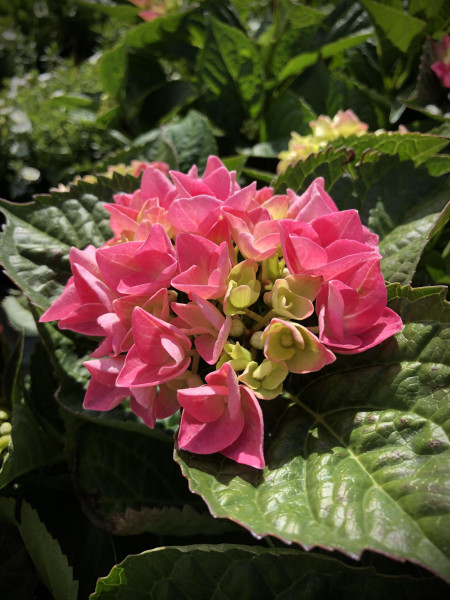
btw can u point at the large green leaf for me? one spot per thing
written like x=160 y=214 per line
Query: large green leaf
x=51 y=564
x=418 y=147
x=402 y=248
x=127 y=480
x=226 y=572
x=230 y=73
x=114 y=61
x=180 y=143
x=399 y=27
x=45 y=552
x=359 y=460
x=35 y=245
x=296 y=65
x=414 y=303
x=30 y=447
x=17 y=577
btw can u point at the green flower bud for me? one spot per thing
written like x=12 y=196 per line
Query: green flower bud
x=266 y=379
x=243 y=288
x=237 y=327
x=256 y=341
x=271 y=270
x=236 y=355
x=5 y=428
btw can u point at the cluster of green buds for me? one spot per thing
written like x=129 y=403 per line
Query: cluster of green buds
x=5 y=432
x=270 y=340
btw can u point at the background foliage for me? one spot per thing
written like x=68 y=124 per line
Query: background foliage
x=358 y=455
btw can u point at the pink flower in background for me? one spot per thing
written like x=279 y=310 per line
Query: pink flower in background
x=222 y=416
x=442 y=66
x=209 y=295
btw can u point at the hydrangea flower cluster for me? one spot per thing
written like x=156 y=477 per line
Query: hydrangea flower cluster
x=209 y=295
x=324 y=130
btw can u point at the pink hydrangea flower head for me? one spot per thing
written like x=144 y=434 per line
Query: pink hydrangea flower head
x=343 y=124
x=159 y=354
x=222 y=416
x=442 y=66
x=296 y=346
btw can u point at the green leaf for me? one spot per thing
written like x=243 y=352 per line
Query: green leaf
x=228 y=572
x=114 y=61
x=416 y=304
x=192 y=140
x=12 y=377
x=30 y=447
x=169 y=520
x=329 y=163
x=297 y=65
x=180 y=143
x=399 y=27
x=51 y=564
x=344 y=43
x=35 y=244
x=19 y=317
x=17 y=577
x=302 y=16
x=404 y=246
x=359 y=460
x=418 y=147
x=128 y=482
x=231 y=59
x=438 y=165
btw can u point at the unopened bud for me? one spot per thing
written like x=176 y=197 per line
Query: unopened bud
x=237 y=328
x=256 y=340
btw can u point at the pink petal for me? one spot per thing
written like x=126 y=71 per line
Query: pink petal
x=206 y=438
x=247 y=449
x=204 y=403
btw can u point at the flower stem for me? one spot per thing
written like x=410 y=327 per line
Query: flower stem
x=195 y=361
x=262 y=321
